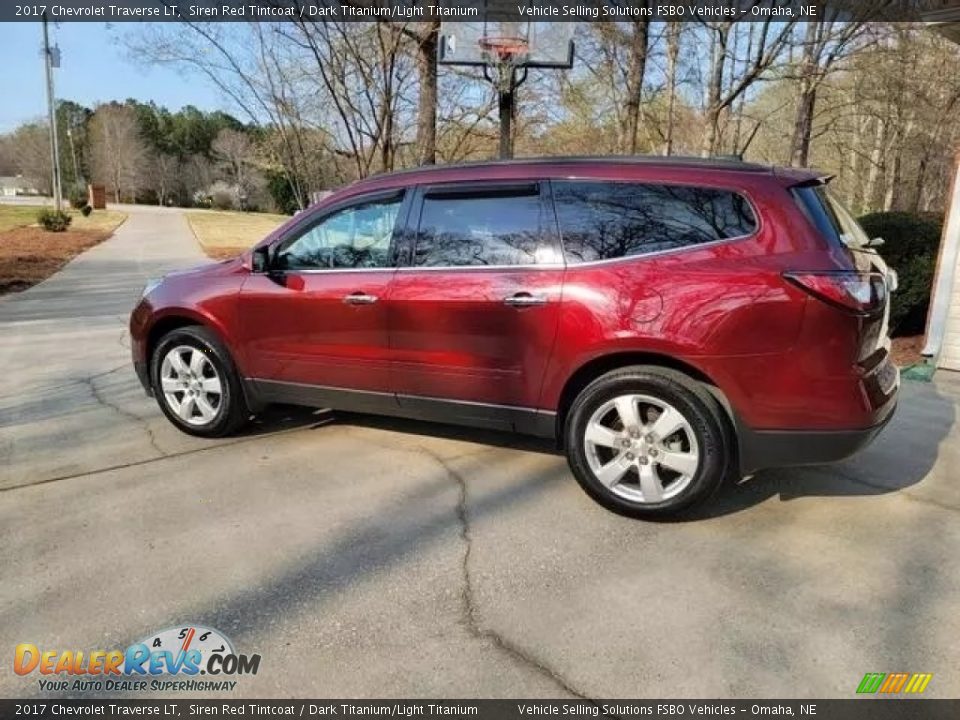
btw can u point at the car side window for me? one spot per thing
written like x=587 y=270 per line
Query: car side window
x=608 y=220
x=495 y=227
x=353 y=237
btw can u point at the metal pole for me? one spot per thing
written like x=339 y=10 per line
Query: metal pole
x=506 y=118
x=73 y=154
x=51 y=113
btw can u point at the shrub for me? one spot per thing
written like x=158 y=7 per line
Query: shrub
x=201 y=199
x=224 y=196
x=78 y=196
x=86 y=210
x=53 y=220
x=911 y=244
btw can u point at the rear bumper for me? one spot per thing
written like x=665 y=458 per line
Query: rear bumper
x=761 y=449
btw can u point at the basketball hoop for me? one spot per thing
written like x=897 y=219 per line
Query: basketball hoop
x=506 y=53
x=504 y=49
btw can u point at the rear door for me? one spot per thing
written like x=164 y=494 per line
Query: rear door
x=475 y=304
x=319 y=317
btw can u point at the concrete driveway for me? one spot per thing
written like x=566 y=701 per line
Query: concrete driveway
x=373 y=557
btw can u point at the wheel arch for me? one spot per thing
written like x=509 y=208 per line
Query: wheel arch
x=178 y=318
x=594 y=368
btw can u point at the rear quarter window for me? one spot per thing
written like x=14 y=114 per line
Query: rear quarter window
x=609 y=220
x=832 y=220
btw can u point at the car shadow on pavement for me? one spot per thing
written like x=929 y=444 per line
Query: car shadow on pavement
x=495 y=438
x=280 y=418
x=903 y=454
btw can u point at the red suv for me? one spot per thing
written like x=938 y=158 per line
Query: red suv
x=669 y=321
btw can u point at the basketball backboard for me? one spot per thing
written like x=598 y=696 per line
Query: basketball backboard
x=547 y=44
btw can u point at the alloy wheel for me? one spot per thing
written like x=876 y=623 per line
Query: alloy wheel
x=641 y=448
x=191 y=385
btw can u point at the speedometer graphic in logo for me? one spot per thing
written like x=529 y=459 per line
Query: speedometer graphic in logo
x=181 y=640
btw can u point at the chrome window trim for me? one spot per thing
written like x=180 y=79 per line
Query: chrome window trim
x=475 y=268
x=657 y=253
x=321 y=271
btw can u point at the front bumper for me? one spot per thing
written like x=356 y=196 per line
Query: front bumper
x=143 y=375
x=760 y=449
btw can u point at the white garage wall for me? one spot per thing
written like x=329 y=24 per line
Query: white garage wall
x=943 y=331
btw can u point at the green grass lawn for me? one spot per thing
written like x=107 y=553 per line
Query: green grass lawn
x=14 y=216
x=222 y=233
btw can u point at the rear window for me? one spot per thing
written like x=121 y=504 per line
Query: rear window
x=608 y=220
x=830 y=217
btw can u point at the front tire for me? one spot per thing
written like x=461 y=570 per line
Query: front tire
x=647 y=442
x=196 y=383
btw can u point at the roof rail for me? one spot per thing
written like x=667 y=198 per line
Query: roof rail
x=721 y=162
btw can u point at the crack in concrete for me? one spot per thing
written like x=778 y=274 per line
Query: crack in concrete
x=468 y=599
x=101 y=400
x=68 y=384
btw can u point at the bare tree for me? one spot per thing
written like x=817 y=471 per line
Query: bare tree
x=164 y=175
x=825 y=45
x=30 y=147
x=674 y=30
x=426 y=36
x=118 y=153
x=235 y=152
x=771 y=39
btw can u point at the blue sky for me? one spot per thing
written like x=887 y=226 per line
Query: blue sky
x=96 y=67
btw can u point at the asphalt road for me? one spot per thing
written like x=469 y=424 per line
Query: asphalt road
x=374 y=557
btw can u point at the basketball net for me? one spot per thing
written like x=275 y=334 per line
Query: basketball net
x=505 y=54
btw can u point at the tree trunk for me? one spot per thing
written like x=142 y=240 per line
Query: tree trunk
x=876 y=166
x=715 y=90
x=673 y=54
x=913 y=205
x=427 y=107
x=806 y=103
x=635 y=74
x=803 y=125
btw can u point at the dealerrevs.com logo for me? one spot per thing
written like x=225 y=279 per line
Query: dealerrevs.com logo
x=169 y=660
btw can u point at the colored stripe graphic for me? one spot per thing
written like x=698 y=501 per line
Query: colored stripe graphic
x=871 y=682
x=918 y=682
x=892 y=683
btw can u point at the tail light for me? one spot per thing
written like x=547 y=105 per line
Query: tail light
x=862 y=293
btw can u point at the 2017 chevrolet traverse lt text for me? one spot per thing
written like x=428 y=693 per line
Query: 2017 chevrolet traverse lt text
x=671 y=322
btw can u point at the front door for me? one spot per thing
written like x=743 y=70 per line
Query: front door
x=319 y=317
x=474 y=307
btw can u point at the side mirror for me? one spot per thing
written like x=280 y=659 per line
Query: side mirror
x=260 y=260
x=876 y=242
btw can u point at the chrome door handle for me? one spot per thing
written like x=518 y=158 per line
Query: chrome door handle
x=524 y=299
x=359 y=298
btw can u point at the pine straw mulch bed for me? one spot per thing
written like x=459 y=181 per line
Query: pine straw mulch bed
x=29 y=255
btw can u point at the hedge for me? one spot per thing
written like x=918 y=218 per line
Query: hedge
x=911 y=244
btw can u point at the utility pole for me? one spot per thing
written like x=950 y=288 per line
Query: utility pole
x=51 y=59
x=73 y=153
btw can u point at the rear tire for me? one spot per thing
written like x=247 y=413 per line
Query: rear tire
x=647 y=442
x=196 y=383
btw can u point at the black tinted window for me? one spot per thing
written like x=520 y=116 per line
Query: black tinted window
x=499 y=228
x=605 y=220
x=832 y=219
